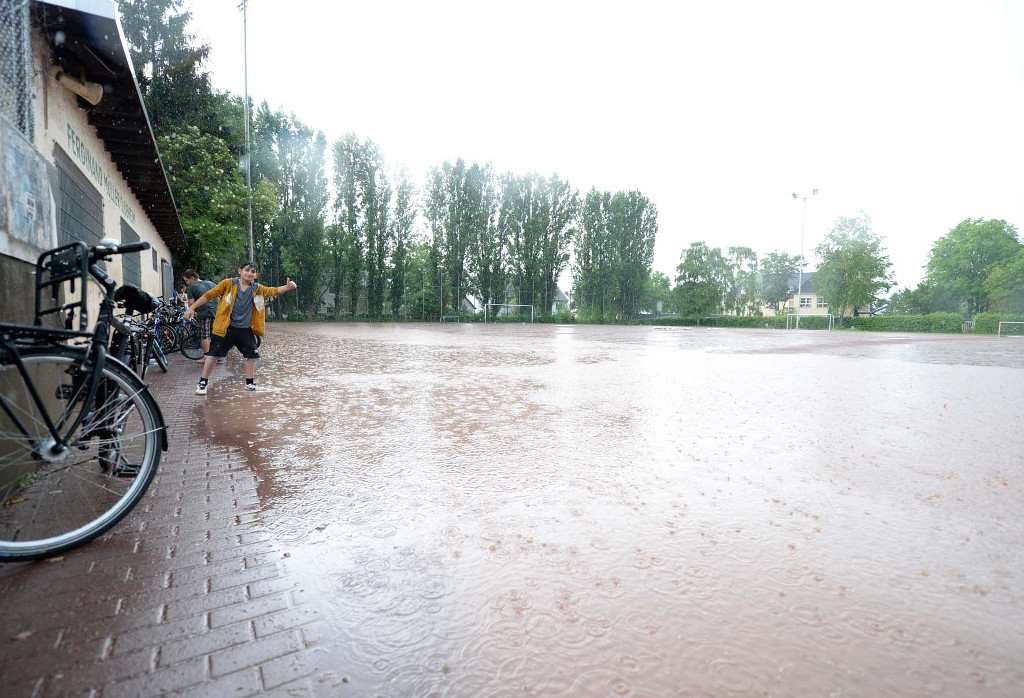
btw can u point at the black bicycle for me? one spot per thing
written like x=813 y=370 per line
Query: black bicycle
x=80 y=434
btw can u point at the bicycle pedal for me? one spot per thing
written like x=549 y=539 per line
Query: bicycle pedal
x=127 y=471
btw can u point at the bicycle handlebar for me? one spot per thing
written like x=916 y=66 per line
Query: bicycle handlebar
x=108 y=247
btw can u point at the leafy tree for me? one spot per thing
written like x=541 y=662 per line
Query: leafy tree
x=614 y=252
x=375 y=195
x=777 y=268
x=523 y=223
x=402 y=221
x=595 y=271
x=700 y=281
x=537 y=220
x=634 y=225
x=562 y=209
x=158 y=42
x=421 y=293
x=854 y=267
x=657 y=291
x=488 y=247
x=962 y=260
x=447 y=206
x=924 y=299
x=289 y=160
x=741 y=281
x=210 y=195
x=1005 y=285
x=345 y=242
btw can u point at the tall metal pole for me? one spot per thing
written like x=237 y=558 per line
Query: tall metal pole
x=800 y=269
x=248 y=150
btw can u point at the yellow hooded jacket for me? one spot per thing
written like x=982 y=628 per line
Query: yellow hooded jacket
x=227 y=292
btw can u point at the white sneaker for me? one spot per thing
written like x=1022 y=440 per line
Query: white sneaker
x=250 y=386
x=201 y=388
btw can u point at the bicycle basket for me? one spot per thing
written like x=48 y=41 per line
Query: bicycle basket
x=135 y=300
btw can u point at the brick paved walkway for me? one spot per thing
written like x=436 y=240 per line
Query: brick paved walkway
x=187 y=596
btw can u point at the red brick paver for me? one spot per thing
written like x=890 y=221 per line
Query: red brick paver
x=186 y=596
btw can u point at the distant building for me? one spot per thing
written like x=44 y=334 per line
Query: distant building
x=561 y=301
x=806 y=296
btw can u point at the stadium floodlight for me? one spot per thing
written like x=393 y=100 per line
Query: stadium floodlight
x=800 y=269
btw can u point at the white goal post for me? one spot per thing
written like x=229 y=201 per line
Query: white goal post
x=999 y=332
x=791 y=325
x=506 y=305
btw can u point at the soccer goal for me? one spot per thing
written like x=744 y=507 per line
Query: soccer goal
x=507 y=310
x=791 y=324
x=450 y=318
x=1010 y=332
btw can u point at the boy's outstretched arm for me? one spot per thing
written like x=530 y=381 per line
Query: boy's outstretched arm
x=191 y=310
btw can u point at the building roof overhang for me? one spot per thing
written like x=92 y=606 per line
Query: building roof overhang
x=85 y=40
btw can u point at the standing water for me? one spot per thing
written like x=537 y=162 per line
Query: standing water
x=515 y=510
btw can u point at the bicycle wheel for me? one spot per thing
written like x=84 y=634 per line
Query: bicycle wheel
x=54 y=498
x=180 y=334
x=161 y=358
x=168 y=339
x=192 y=346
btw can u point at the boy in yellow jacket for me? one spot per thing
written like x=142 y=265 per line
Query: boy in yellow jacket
x=240 y=317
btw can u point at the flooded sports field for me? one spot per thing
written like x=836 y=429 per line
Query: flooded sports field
x=541 y=510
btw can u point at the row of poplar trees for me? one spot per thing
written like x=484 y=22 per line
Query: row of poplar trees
x=373 y=242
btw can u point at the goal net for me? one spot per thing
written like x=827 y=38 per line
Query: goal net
x=1009 y=328
x=811 y=322
x=494 y=312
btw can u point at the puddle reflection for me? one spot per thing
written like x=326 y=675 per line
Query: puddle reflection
x=583 y=511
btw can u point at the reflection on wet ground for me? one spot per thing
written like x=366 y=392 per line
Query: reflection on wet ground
x=586 y=511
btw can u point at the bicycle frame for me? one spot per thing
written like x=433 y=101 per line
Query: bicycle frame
x=72 y=263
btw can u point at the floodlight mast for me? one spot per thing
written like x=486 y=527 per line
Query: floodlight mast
x=248 y=149
x=800 y=269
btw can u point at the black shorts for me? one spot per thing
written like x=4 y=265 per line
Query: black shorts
x=240 y=338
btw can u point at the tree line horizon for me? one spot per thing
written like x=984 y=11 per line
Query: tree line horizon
x=499 y=237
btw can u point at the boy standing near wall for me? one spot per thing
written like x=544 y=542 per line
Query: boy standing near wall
x=240 y=317
x=205 y=315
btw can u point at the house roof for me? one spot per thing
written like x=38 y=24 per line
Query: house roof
x=808 y=285
x=560 y=297
x=84 y=38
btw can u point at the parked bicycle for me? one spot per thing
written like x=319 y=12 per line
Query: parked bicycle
x=80 y=434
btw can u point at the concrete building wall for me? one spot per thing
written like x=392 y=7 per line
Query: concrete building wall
x=61 y=124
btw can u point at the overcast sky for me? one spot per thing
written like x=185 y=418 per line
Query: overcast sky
x=717 y=111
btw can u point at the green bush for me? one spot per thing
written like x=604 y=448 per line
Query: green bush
x=988 y=323
x=945 y=323
x=737 y=321
x=676 y=321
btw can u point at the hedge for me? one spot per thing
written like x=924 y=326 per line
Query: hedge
x=946 y=323
x=988 y=323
